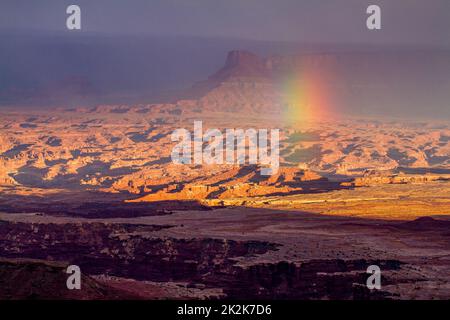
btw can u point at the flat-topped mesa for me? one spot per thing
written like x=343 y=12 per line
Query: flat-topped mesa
x=243 y=84
x=241 y=64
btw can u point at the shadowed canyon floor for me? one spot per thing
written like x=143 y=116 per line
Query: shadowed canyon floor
x=241 y=253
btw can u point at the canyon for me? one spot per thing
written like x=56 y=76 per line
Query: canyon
x=96 y=187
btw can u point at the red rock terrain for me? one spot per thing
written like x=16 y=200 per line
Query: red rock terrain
x=97 y=187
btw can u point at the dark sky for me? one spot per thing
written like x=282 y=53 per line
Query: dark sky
x=335 y=21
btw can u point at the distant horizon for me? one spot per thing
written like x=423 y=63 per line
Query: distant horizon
x=308 y=44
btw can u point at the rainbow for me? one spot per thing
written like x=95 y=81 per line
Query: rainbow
x=307 y=96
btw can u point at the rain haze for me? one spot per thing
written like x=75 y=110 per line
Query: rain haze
x=137 y=51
